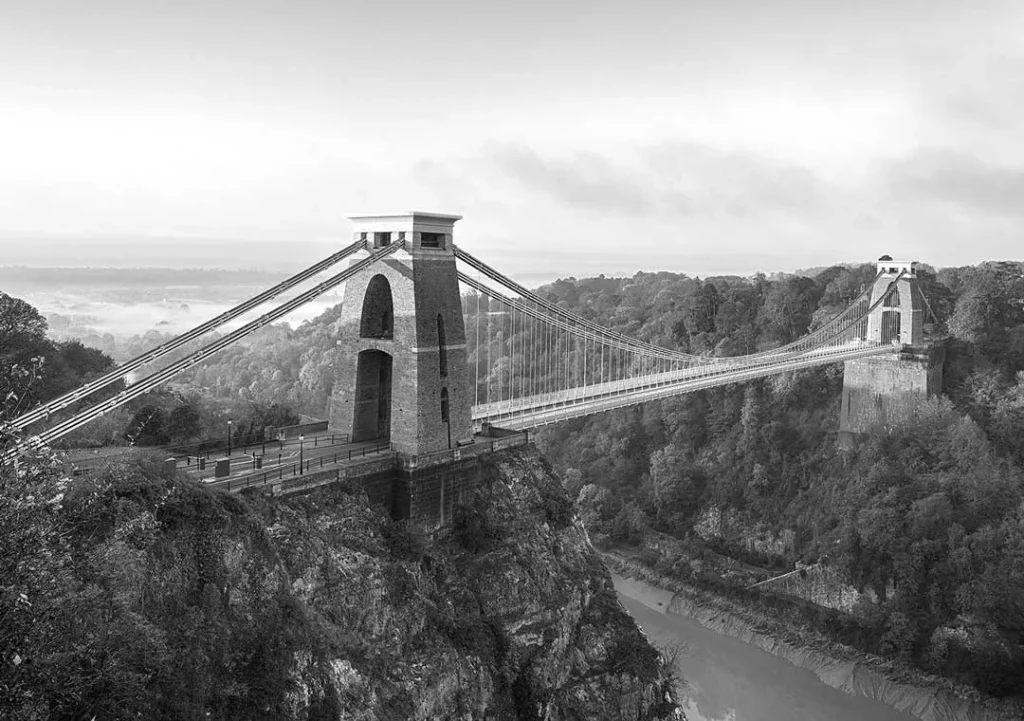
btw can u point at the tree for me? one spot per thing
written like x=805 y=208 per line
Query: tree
x=148 y=427
x=788 y=309
x=20 y=325
x=23 y=352
x=184 y=423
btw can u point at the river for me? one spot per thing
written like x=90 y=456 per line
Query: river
x=729 y=680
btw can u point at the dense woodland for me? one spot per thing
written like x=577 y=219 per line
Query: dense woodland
x=929 y=513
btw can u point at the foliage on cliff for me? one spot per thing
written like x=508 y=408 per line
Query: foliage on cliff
x=135 y=594
x=34 y=368
x=929 y=513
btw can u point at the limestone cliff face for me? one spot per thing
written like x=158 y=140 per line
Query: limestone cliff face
x=510 y=615
x=319 y=607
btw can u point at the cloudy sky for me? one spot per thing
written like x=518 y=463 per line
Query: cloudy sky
x=575 y=136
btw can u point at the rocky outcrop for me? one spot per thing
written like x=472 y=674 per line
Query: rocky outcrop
x=509 y=614
x=181 y=602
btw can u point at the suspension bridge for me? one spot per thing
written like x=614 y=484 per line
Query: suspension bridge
x=436 y=346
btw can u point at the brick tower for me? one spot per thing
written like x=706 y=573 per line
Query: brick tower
x=401 y=373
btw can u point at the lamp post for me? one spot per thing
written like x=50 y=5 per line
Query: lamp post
x=301 y=456
x=229 y=435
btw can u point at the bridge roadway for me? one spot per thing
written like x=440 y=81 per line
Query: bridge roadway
x=540 y=409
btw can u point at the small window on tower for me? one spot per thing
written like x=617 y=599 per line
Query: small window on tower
x=381 y=239
x=431 y=240
x=442 y=347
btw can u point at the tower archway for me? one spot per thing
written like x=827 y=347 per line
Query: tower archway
x=378 y=316
x=372 y=407
x=891 y=322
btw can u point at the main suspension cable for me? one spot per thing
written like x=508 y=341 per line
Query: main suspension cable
x=44 y=411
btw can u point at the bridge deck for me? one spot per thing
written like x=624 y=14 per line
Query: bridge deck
x=535 y=410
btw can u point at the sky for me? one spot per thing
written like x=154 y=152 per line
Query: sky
x=697 y=136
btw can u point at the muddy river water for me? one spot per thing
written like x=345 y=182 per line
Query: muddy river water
x=729 y=680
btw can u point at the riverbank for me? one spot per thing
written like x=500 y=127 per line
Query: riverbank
x=920 y=695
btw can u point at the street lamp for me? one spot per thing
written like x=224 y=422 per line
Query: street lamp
x=301 y=439
x=229 y=435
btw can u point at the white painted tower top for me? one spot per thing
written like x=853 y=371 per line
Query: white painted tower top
x=427 y=232
x=888 y=266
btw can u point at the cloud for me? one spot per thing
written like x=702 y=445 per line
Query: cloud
x=986 y=91
x=951 y=176
x=727 y=182
x=668 y=179
x=584 y=179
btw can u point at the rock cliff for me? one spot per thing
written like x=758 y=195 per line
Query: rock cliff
x=319 y=607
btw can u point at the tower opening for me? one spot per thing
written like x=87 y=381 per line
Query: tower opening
x=431 y=240
x=377 y=320
x=442 y=350
x=445 y=417
x=372 y=414
x=891 y=326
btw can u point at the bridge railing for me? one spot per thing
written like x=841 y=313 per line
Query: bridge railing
x=293 y=470
x=368 y=454
x=206 y=448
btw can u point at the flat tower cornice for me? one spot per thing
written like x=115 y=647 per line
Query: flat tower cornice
x=413 y=215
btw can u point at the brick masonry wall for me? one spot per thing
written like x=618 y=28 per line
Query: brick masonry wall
x=434 y=493
x=428 y=496
x=885 y=389
x=421 y=288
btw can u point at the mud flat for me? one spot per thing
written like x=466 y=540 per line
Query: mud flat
x=736 y=671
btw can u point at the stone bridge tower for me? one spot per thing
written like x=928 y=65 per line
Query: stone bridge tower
x=401 y=374
x=882 y=390
x=900 y=319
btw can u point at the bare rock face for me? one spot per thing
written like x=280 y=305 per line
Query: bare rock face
x=507 y=615
x=147 y=596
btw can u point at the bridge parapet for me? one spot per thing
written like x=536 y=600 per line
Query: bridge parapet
x=424 y=487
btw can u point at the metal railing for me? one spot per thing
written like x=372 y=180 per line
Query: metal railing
x=204 y=450
x=357 y=456
x=283 y=472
